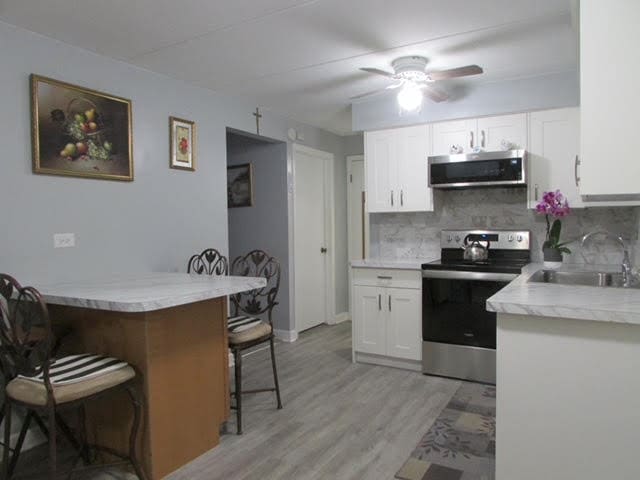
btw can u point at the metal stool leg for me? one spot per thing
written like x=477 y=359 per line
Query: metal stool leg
x=18 y=447
x=53 y=460
x=238 y=394
x=275 y=373
x=133 y=437
x=7 y=440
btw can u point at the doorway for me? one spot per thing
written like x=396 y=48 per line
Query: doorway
x=313 y=233
x=257 y=200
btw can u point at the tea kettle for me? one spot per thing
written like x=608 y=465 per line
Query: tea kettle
x=474 y=250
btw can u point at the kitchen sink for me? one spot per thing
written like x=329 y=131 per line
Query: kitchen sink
x=591 y=279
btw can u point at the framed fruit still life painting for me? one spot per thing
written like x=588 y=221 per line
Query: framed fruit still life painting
x=182 y=146
x=80 y=132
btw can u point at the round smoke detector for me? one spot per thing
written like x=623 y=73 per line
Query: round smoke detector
x=410 y=68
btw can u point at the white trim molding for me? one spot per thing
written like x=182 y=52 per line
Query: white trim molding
x=288 y=336
x=341 y=317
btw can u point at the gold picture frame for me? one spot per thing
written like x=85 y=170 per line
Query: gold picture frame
x=182 y=145
x=240 y=185
x=80 y=132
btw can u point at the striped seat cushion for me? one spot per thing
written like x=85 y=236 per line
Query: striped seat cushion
x=247 y=329
x=78 y=368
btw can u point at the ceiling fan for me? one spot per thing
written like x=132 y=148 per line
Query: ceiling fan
x=410 y=73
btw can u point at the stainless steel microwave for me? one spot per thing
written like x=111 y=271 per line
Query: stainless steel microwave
x=483 y=169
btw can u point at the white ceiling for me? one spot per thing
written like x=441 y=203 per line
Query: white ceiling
x=301 y=57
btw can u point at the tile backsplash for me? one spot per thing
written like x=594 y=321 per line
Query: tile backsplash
x=412 y=235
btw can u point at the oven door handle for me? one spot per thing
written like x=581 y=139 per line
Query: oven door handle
x=460 y=275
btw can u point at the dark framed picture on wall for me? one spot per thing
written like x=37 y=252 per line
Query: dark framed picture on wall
x=80 y=132
x=182 y=145
x=240 y=185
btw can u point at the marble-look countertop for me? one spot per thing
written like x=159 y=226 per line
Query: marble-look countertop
x=604 y=304
x=398 y=263
x=143 y=292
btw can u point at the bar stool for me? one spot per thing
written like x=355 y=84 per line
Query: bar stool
x=208 y=262
x=246 y=329
x=49 y=386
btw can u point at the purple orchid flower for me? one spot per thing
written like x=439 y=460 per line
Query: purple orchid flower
x=554 y=204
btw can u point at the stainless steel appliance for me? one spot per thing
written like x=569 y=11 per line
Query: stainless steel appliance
x=458 y=333
x=484 y=169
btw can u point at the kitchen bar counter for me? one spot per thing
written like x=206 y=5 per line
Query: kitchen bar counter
x=604 y=304
x=144 y=292
x=172 y=328
x=394 y=263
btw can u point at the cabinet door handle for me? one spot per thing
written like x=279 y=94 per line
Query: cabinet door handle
x=389 y=302
x=384 y=277
x=471 y=139
x=536 y=193
x=392 y=198
x=482 y=141
x=575 y=171
x=379 y=301
x=401 y=198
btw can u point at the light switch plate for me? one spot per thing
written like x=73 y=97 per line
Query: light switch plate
x=64 y=240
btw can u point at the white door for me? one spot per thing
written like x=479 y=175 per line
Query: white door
x=554 y=144
x=413 y=150
x=405 y=323
x=458 y=133
x=369 y=319
x=310 y=238
x=381 y=170
x=493 y=132
x=357 y=217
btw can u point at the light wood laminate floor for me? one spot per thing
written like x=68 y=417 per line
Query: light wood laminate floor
x=341 y=421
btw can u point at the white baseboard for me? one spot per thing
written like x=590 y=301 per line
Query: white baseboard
x=342 y=317
x=415 y=365
x=286 y=335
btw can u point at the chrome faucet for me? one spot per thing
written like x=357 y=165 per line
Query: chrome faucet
x=627 y=275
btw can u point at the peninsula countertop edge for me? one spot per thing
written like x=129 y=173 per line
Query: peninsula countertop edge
x=144 y=292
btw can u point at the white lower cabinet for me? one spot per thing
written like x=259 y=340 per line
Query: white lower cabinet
x=387 y=318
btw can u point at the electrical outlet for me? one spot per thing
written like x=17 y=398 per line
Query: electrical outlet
x=64 y=240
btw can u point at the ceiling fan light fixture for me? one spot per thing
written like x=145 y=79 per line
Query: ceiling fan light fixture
x=410 y=97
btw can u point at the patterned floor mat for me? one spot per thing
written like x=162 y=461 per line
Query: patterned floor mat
x=460 y=445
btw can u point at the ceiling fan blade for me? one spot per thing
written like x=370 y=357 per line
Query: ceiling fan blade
x=455 y=72
x=434 y=94
x=378 y=72
x=394 y=86
x=362 y=95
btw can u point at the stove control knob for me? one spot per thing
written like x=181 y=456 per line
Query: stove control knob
x=449 y=238
x=519 y=238
x=457 y=239
x=510 y=238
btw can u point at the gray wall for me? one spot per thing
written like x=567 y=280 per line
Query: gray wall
x=519 y=95
x=263 y=226
x=412 y=235
x=153 y=223
x=354 y=144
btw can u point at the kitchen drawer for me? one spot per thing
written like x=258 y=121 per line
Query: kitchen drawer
x=387 y=277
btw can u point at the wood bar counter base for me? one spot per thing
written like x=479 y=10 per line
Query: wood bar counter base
x=173 y=328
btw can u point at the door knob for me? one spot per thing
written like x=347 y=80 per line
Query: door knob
x=323 y=250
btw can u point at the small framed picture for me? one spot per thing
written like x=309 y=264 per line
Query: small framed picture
x=183 y=142
x=240 y=185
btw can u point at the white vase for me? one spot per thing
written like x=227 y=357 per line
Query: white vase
x=552 y=265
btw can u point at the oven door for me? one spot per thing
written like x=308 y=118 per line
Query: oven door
x=459 y=334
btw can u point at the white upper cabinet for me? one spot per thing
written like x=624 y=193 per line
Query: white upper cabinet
x=455 y=134
x=380 y=166
x=609 y=72
x=396 y=170
x=413 y=178
x=554 y=137
x=494 y=132
x=488 y=133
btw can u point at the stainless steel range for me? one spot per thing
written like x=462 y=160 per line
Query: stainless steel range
x=458 y=333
